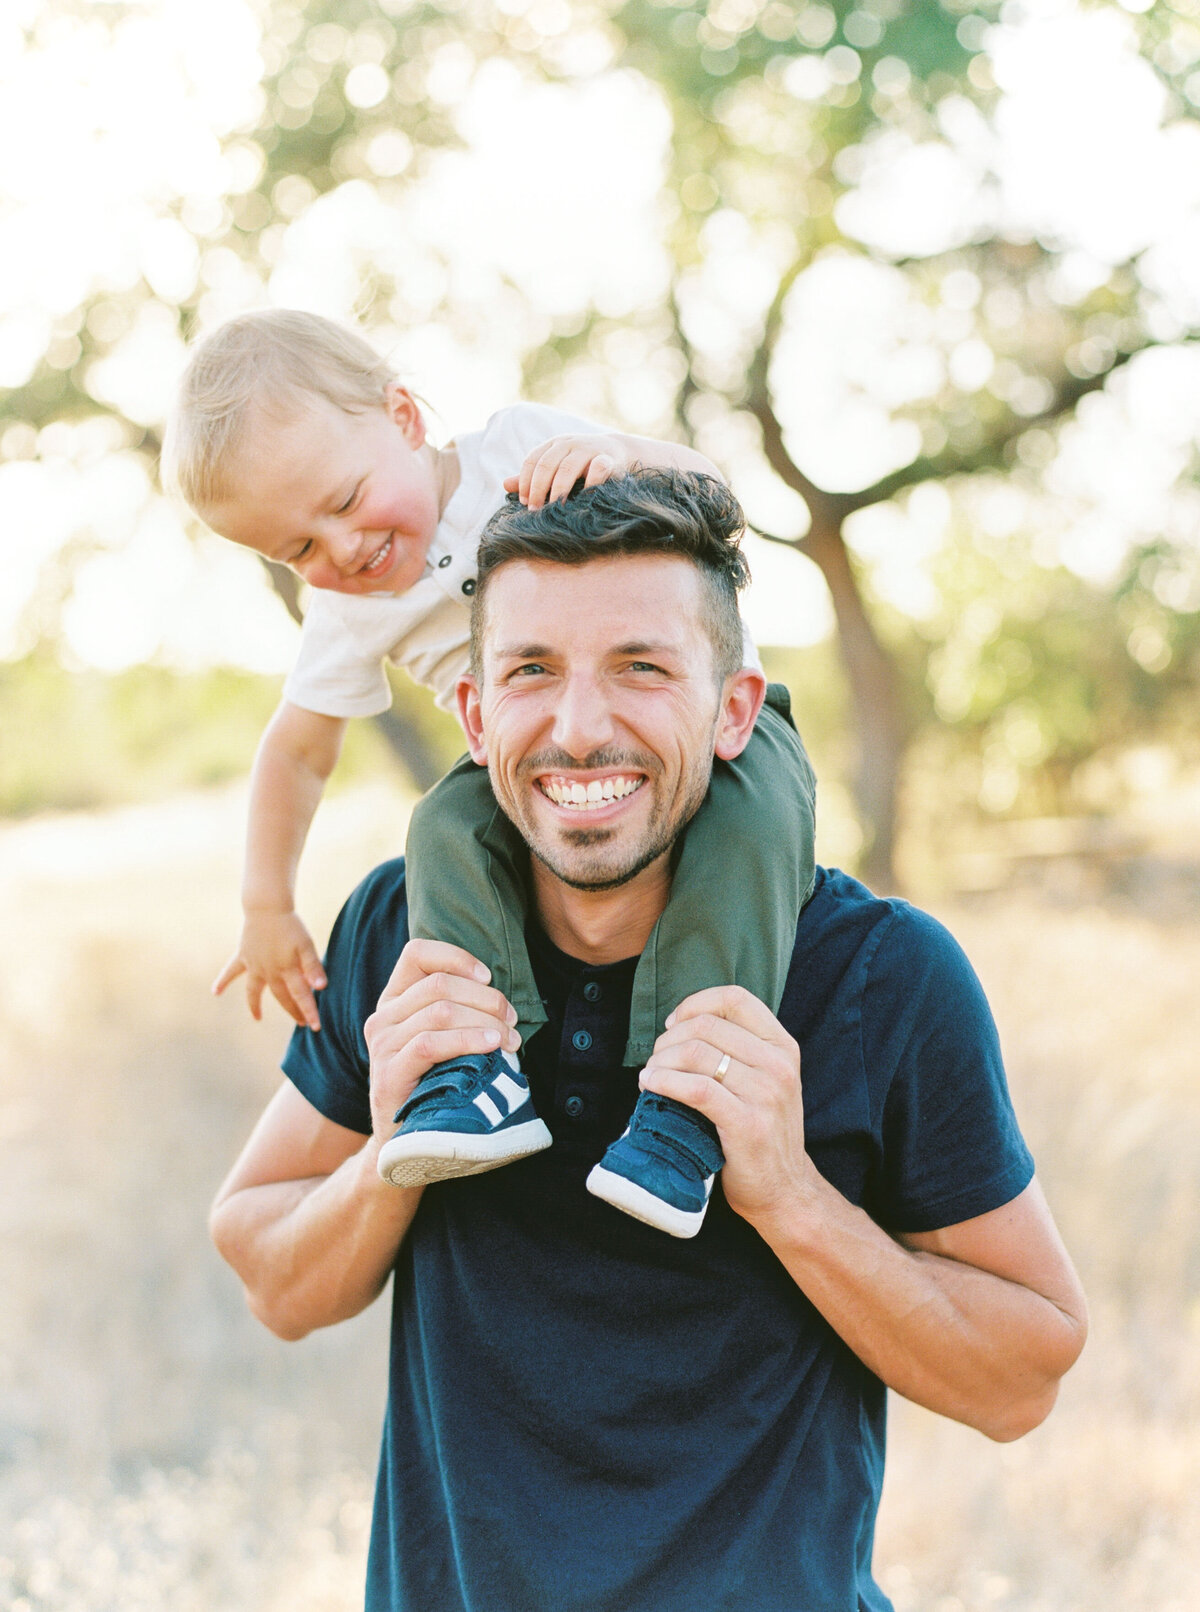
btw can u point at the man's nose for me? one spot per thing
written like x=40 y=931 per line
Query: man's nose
x=582 y=719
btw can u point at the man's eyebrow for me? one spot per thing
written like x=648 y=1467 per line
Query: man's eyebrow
x=522 y=651
x=644 y=646
x=635 y=647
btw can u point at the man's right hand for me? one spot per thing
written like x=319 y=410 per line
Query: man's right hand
x=436 y=1006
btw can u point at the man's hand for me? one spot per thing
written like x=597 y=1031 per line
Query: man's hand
x=755 y=1103
x=977 y=1320
x=276 y=953
x=437 y=1005
x=551 y=470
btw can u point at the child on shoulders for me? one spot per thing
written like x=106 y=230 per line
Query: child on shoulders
x=292 y=437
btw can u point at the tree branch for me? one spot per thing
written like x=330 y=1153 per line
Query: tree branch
x=823 y=506
x=990 y=455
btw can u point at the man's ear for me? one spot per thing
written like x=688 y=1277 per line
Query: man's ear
x=740 y=705
x=466 y=694
x=404 y=411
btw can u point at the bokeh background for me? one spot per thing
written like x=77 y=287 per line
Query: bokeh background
x=924 y=279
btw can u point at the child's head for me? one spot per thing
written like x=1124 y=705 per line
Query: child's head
x=290 y=435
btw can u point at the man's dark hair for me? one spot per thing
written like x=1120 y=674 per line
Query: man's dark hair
x=648 y=511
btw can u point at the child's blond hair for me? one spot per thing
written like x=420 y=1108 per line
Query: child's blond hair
x=279 y=358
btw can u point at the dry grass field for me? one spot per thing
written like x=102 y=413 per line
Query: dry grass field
x=158 y=1450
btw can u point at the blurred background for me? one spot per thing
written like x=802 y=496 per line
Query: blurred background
x=922 y=278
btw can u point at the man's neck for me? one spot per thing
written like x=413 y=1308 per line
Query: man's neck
x=601 y=926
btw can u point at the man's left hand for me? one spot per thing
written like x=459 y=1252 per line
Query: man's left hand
x=754 y=1100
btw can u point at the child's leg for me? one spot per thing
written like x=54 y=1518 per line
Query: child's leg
x=466 y=884
x=745 y=870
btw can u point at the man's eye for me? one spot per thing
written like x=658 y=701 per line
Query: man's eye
x=643 y=666
x=533 y=668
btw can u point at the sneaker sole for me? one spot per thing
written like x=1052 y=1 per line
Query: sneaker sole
x=625 y=1194
x=423 y=1157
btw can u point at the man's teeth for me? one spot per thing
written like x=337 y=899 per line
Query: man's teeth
x=600 y=792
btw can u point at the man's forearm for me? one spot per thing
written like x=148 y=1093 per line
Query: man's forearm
x=962 y=1341
x=317 y=1251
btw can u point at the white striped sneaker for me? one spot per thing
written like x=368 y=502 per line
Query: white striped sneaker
x=464 y=1116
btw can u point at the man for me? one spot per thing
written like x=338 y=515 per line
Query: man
x=585 y=1413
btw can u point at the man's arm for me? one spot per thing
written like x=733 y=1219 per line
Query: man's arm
x=304 y=1218
x=977 y=1321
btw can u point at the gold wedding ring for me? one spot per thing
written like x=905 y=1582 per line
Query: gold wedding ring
x=722 y=1068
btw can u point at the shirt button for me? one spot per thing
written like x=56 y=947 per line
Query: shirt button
x=581 y=1041
x=444 y=561
x=469 y=586
x=592 y=992
x=573 y=1106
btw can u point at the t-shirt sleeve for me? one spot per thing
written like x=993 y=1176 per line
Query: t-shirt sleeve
x=951 y=1146
x=338 y=671
x=331 y=1067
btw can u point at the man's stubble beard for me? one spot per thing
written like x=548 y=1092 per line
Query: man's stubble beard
x=660 y=836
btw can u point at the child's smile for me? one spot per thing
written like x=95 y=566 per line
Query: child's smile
x=350 y=501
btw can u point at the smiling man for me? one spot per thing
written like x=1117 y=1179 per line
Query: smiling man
x=585 y=1416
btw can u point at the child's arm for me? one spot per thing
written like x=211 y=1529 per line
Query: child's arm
x=554 y=467
x=296 y=755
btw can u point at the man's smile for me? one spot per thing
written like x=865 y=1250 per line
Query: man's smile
x=579 y=796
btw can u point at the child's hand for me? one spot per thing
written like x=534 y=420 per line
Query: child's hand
x=552 y=470
x=276 y=953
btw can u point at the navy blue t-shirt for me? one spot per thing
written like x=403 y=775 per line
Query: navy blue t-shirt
x=586 y=1415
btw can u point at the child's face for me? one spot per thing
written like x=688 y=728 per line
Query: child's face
x=349 y=501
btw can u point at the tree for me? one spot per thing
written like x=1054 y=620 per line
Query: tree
x=784 y=121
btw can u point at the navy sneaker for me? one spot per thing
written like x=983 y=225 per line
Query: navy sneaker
x=661 y=1170
x=466 y=1115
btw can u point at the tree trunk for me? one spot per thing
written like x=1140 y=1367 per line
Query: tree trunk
x=880 y=726
x=404 y=738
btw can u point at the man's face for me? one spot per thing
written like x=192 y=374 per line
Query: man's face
x=599 y=711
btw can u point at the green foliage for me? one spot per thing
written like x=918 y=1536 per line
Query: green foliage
x=776 y=111
x=82 y=739
x=1032 y=672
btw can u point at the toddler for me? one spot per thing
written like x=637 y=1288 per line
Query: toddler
x=292 y=437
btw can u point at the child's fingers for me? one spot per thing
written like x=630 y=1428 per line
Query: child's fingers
x=228 y=974
x=282 y=995
x=304 y=1005
x=567 y=472
x=254 y=993
x=313 y=970
x=600 y=469
x=537 y=474
x=520 y=483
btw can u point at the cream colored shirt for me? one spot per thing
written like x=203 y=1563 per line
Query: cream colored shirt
x=347 y=639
